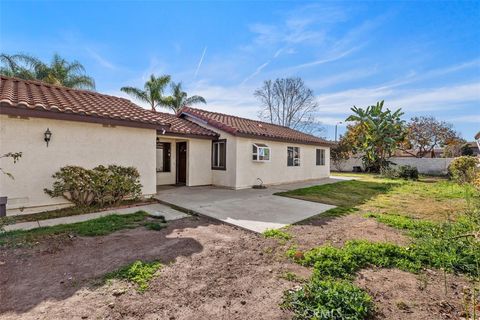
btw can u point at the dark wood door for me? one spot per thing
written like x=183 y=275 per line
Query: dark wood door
x=181 y=162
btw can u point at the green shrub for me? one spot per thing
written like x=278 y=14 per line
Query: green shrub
x=464 y=169
x=328 y=299
x=138 y=272
x=276 y=233
x=98 y=186
x=389 y=172
x=408 y=172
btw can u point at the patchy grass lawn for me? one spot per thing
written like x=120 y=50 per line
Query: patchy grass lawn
x=343 y=194
x=429 y=198
x=69 y=211
x=95 y=227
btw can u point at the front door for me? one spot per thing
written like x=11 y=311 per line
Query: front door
x=181 y=162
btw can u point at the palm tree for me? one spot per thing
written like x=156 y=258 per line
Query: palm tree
x=152 y=93
x=58 y=72
x=179 y=98
x=11 y=67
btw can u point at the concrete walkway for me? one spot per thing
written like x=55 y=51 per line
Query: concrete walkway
x=153 y=209
x=251 y=209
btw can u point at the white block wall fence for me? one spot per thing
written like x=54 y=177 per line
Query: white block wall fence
x=435 y=166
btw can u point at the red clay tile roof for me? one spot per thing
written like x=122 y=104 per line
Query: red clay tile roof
x=252 y=128
x=182 y=126
x=36 y=98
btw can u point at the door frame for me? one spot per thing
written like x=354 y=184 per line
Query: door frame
x=177 y=164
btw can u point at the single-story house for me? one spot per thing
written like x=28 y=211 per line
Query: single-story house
x=194 y=147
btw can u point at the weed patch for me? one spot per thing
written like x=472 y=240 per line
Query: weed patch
x=328 y=299
x=278 y=234
x=139 y=273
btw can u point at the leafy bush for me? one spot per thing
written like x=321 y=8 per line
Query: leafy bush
x=328 y=299
x=275 y=233
x=138 y=272
x=408 y=172
x=405 y=172
x=98 y=186
x=464 y=169
x=389 y=172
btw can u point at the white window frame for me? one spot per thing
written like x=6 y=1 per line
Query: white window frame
x=322 y=158
x=256 y=155
x=296 y=160
x=217 y=155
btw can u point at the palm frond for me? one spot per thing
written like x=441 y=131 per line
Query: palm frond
x=194 y=100
x=136 y=93
x=80 y=82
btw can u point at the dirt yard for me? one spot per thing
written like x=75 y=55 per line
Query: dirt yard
x=212 y=271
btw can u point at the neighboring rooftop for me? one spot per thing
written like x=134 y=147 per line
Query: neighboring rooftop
x=251 y=128
x=39 y=99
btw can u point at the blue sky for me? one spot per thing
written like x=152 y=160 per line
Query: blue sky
x=421 y=56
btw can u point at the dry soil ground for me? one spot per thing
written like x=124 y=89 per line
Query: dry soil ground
x=212 y=271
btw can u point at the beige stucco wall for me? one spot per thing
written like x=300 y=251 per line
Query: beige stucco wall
x=72 y=143
x=242 y=171
x=276 y=170
x=198 y=161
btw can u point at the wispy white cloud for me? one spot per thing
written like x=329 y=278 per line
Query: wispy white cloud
x=101 y=60
x=411 y=100
x=257 y=71
x=331 y=58
x=200 y=62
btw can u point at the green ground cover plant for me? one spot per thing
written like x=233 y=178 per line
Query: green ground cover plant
x=277 y=233
x=140 y=273
x=328 y=299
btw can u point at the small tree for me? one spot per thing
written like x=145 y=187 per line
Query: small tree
x=378 y=133
x=424 y=134
x=340 y=153
x=288 y=102
x=15 y=157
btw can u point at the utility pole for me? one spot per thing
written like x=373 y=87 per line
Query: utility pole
x=336 y=124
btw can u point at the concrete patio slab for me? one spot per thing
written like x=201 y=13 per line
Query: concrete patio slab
x=252 y=209
x=153 y=209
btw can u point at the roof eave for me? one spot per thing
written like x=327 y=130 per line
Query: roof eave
x=8 y=109
x=260 y=137
x=187 y=135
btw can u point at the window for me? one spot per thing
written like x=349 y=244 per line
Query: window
x=219 y=154
x=293 y=156
x=320 y=157
x=163 y=156
x=260 y=152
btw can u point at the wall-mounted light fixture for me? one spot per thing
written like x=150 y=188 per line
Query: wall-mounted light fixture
x=48 y=136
